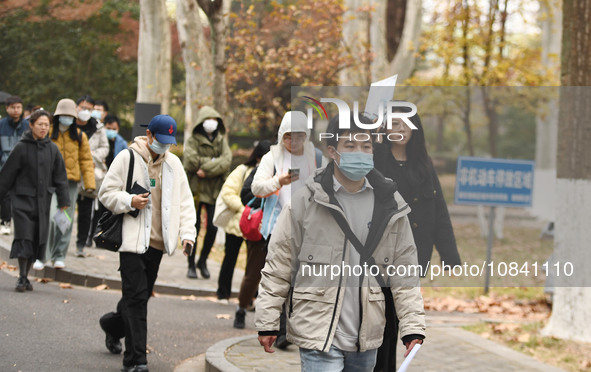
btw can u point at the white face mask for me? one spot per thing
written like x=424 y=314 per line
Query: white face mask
x=84 y=115
x=210 y=125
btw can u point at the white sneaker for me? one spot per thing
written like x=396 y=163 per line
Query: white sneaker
x=38 y=265
x=5 y=229
x=59 y=265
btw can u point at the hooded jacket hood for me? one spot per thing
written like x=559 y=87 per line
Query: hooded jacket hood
x=208 y=112
x=293 y=121
x=140 y=145
x=28 y=137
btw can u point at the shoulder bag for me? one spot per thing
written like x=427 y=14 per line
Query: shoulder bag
x=109 y=230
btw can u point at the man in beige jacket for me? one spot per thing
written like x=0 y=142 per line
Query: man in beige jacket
x=340 y=239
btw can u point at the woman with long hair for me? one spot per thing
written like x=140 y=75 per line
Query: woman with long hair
x=402 y=156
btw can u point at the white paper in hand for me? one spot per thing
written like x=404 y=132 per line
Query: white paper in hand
x=380 y=92
x=406 y=363
x=62 y=220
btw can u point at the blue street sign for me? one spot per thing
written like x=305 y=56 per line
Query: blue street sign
x=494 y=182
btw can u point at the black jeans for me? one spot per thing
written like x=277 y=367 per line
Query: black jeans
x=233 y=244
x=5 y=209
x=138 y=274
x=209 y=238
x=84 y=219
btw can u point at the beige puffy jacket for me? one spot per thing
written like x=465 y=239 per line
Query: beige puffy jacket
x=307 y=233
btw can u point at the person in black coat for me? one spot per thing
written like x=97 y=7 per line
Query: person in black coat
x=407 y=163
x=32 y=173
x=402 y=156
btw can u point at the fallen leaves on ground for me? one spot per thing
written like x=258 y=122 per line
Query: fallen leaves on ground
x=65 y=285
x=503 y=306
x=11 y=268
x=3 y=264
x=43 y=280
x=189 y=298
x=223 y=316
x=101 y=287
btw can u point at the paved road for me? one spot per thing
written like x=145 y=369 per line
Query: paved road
x=54 y=329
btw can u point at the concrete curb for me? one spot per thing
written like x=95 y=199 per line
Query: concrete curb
x=91 y=281
x=215 y=357
x=194 y=364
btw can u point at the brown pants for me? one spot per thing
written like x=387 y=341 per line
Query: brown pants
x=255 y=261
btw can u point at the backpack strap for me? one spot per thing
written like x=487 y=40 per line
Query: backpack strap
x=344 y=225
x=130 y=171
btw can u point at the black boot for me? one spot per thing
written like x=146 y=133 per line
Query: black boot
x=192 y=273
x=239 y=319
x=21 y=284
x=203 y=270
x=28 y=285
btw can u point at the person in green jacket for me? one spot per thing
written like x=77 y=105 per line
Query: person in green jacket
x=207 y=159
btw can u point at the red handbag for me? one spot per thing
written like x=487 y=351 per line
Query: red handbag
x=250 y=222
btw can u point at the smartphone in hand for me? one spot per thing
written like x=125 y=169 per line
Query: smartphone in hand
x=188 y=249
x=294 y=172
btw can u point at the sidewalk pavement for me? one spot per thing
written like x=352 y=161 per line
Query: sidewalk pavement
x=100 y=267
x=447 y=347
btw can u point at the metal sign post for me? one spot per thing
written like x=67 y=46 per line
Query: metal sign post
x=489 y=245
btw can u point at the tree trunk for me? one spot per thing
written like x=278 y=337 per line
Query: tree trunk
x=217 y=12
x=467 y=76
x=493 y=119
x=197 y=61
x=356 y=38
x=544 y=197
x=396 y=30
x=154 y=54
x=571 y=314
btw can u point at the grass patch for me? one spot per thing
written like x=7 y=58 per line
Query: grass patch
x=526 y=338
x=517 y=258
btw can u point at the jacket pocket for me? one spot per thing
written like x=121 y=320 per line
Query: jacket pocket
x=375 y=294
x=385 y=256
x=25 y=191
x=315 y=271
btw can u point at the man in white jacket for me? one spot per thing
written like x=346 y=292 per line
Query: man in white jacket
x=166 y=213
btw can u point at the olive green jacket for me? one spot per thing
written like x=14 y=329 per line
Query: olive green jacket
x=211 y=154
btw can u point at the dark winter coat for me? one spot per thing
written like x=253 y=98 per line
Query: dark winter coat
x=429 y=217
x=32 y=173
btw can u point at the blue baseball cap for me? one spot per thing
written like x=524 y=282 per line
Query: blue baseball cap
x=163 y=127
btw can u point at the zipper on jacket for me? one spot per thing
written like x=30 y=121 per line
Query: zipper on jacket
x=336 y=304
x=358 y=343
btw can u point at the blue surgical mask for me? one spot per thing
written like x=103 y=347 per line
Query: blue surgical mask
x=66 y=120
x=158 y=148
x=111 y=133
x=96 y=114
x=355 y=165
